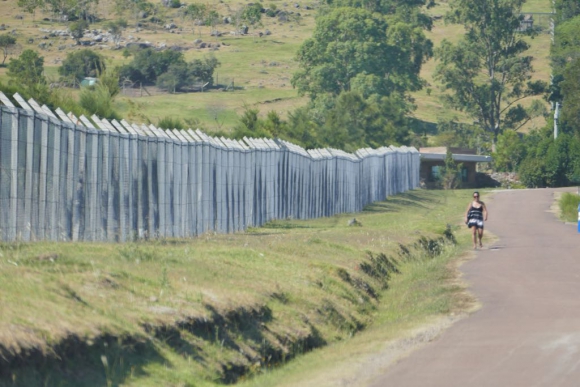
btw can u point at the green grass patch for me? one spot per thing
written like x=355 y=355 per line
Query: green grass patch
x=211 y=310
x=569 y=206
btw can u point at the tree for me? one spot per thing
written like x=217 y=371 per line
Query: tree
x=30 y=6
x=26 y=74
x=510 y=151
x=61 y=8
x=77 y=30
x=151 y=64
x=28 y=69
x=7 y=45
x=180 y=75
x=347 y=42
x=202 y=70
x=116 y=29
x=81 y=64
x=212 y=19
x=563 y=54
x=252 y=14
x=134 y=8
x=566 y=45
x=176 y=77
x=407 y=11
x=486 y=70
x=196 y=14
x=566 y=9
x=354 y=122
x=451 y=172
x=571 y=96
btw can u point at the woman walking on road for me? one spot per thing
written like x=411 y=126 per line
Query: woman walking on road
x=474 y=216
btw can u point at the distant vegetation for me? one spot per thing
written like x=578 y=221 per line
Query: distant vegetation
x=541 y=160
x=359 y=73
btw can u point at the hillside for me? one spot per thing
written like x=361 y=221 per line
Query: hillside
x=258 y=67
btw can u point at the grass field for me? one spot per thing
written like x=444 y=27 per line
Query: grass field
x=260 y=67
x=176 y=312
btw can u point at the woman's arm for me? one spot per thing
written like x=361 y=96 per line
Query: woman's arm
x=467 y=211
x=484 y=211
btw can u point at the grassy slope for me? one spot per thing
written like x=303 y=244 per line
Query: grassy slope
x=287 y=276
x=262 y=66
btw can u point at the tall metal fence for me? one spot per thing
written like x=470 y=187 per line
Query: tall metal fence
x=95 y=180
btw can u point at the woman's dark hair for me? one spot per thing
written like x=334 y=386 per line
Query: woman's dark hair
x=476 y=193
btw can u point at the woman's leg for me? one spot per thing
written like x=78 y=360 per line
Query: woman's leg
x=480 y=233
x=474 y=236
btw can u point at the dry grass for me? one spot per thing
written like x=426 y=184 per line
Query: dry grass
x=262 y=67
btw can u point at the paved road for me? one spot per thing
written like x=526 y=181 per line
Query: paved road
x=527 y=332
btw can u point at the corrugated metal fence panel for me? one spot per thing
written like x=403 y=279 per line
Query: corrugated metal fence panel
x=61 y=181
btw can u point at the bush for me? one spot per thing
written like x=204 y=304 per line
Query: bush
x=170 y=123
x=531 y=172
x=98 y=101
x=569 y=207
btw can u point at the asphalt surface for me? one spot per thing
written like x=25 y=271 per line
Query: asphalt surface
x=527 y=332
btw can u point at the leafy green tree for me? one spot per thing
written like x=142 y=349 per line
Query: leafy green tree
x=77 y=30
x=133 y=8
x=196 y=14
x=250 y=125
x=510 y=151
x=450 y=172
x=80 y=64
x=355 y=122
x=212 y=18
x=116 y=29
x=150 y=64
x=491 y=46
x=407 y=11
x=345 y=123
x=273 y=124
x=61 y=9
x=302 y=129
x=252 y=14
x=550 y=162
x=347 y=42
x=27 y=69
x=181 y=75
x=571 y=96
x=30 y=6
x=176 y=77
x=26 y=74
x=202 y=70
x=566 y=9
x=7 y=45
